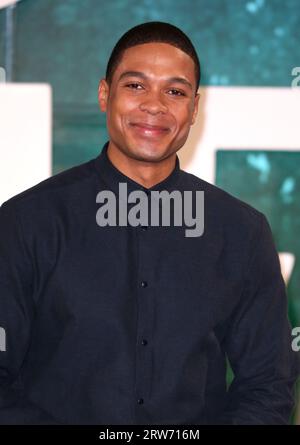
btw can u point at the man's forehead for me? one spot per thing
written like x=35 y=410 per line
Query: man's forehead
x=156 y=57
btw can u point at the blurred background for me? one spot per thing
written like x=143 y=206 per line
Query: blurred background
x=246 y=139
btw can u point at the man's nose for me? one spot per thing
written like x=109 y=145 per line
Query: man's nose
x=153 y=103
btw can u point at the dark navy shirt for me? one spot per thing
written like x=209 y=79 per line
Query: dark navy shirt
x=134 y=325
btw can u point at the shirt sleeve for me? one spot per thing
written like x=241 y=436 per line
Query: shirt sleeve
x=17 y=311
x=258 y=343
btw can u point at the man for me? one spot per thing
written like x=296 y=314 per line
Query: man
x=111 y=323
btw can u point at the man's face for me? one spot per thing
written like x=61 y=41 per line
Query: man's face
x=151 y=101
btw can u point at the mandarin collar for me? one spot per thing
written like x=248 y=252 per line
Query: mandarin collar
x=112 y=176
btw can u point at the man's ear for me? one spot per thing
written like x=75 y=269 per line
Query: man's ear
x=196 y=103
x=103 y=91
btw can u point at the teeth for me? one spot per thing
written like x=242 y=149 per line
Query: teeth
x=151 y=128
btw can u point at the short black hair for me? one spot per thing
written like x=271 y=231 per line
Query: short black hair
x=152 y=32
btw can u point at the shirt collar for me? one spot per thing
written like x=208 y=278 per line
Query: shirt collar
x=112 y=176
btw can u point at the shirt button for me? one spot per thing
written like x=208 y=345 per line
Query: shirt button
x=140 y=401
x=144 y=342
x=144 y=283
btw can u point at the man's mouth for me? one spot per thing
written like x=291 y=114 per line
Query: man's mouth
x=146 y=129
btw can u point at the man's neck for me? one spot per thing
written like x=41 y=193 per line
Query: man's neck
x=144 y=173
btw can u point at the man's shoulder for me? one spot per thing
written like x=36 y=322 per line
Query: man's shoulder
x=58 y=185
x=221 y=203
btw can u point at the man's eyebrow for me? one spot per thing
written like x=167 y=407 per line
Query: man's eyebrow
x=133 y=74
x=180 y=80
x=143 y=76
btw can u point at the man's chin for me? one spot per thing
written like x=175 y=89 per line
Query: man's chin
x=150 y=154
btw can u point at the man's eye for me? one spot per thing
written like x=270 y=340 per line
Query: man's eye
x=176 y=92
x=133 y=86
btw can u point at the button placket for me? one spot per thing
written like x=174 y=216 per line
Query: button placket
x=145 y=315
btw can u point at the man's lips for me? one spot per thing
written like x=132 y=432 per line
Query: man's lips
x=149 y=128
